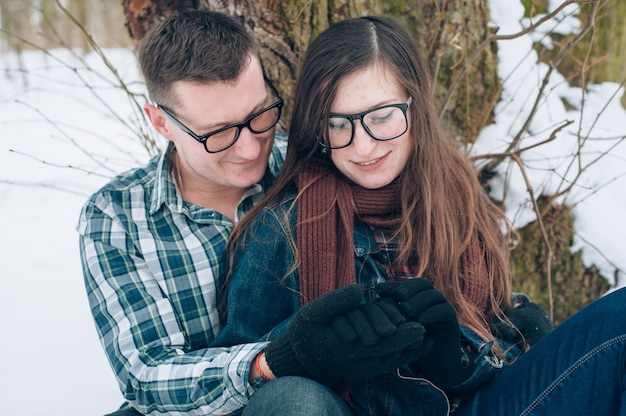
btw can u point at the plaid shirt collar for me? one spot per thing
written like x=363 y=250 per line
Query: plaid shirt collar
x=165 y=192
x=164 y=189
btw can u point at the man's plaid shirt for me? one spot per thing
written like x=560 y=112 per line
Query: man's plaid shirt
x=152 y=265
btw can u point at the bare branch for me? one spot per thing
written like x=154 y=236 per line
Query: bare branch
x=544 y=234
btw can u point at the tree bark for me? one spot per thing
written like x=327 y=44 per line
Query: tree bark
x=141 y=14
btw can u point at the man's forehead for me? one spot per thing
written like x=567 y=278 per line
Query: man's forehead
x=212 y=105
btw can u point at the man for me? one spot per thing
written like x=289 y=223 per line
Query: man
x=152 y=245
x=152 y=240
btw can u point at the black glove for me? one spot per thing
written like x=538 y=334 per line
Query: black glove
x=528 y=319
x=448 y=363
x=312 y=348
x=369 y=322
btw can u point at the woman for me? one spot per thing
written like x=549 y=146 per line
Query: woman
x=373 y=193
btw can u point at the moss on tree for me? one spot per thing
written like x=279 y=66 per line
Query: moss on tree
x=573 y=285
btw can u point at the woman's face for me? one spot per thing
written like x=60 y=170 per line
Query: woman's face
x=368 y=162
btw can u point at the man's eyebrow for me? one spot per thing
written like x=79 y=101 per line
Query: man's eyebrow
x=219 y=125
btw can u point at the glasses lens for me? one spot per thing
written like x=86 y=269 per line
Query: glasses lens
x=221 y=140
x=386 y=123
x=260 y=123
x=265 y=120
x=339 y=131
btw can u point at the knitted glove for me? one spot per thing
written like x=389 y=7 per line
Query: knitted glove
x=312 y=348
x=368 y=322
x=448 y=363
x=527 y=319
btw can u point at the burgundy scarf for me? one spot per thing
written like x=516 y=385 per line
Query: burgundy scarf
x=325 y=231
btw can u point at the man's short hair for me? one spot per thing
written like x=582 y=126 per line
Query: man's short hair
x=198 y=45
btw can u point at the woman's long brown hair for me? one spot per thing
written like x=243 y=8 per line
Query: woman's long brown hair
x=444 y=208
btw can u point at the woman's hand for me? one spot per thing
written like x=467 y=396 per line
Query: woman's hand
x=448 y=363
x=312 y=347
x=525 y=319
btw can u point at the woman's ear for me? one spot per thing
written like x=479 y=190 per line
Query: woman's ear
x=158 y=121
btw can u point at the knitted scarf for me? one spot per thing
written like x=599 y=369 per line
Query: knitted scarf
x=325 y=230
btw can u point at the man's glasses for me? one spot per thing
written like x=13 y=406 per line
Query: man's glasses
x=387 y=122
x=221 y=139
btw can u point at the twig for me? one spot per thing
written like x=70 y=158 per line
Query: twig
x=44 y=185
x=544 y=234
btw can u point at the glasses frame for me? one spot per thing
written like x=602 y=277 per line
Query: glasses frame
x=279 y=103
x=359 y=116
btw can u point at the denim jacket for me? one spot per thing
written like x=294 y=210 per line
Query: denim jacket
x=263 y=296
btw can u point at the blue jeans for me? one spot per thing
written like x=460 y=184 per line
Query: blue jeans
x=295 y=396
x=286 y=396
x=578 y=369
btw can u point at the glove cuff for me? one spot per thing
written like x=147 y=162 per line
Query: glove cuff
x=282 y=360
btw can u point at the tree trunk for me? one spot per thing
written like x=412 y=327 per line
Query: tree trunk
x=573 y=285
x=141 y=14
x=449 y=33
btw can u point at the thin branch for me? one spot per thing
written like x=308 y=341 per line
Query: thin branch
x=44 y=185
x=601 y=254
x=58 y=165
x=544 y=234
x=66 y=136
x=518 y=152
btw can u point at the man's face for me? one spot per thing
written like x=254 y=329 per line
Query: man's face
x=205 y=108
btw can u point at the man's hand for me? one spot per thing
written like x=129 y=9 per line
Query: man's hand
x=336 y=338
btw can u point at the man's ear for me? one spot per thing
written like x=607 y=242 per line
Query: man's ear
x=158 y=121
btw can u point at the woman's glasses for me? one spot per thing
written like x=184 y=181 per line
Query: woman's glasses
x=387 y=122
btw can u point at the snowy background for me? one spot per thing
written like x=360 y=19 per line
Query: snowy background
x=50 y=360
